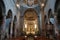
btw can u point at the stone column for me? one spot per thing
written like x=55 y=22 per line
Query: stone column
x=43 y=23
x=55 y=24
x=3 y=29
x=21 y=24
x=39 y=24
x=11 y=30
x=18 y=23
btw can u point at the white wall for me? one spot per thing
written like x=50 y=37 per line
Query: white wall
x=50 y=4
x=9 y=4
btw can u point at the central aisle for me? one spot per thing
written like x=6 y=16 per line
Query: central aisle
x=30 y=38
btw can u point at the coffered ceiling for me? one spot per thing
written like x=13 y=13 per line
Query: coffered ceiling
x=30 y=15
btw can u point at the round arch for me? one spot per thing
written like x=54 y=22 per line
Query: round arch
x=9 y=20
x=30 y=12
x=51 y=16
x=50 y=13
x=2 y=13
x=31 y=20
x=57 y=14
x=9 y=14
x=57 y=10
x=31 y=9
x=2 y=5
x=56 y=5
x=2 y=16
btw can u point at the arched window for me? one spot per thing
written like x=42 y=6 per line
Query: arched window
x=9 y=14
x=57 y=10
x=50 y=14
x=8 y=21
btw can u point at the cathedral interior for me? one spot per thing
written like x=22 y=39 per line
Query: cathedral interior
x=29 y=19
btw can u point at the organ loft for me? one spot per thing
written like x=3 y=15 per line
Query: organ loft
x=29 y=19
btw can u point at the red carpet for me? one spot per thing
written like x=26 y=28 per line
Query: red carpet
x=22 y=38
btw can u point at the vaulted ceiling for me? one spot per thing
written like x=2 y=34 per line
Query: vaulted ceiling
x=30 y=15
